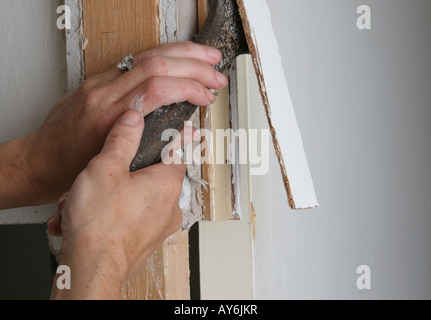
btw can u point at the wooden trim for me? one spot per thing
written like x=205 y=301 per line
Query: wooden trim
x=202 y=12
x=220 y=175
x=218 y=199
x=112 y=29
x=226 y=247
x=205 y=123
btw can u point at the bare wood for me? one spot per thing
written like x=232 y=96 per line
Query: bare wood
x=176 y=267
x=205 y=123
x=202 y=12
x=114 y=28
x=149 y=283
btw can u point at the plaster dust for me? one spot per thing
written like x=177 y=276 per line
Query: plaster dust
x=138 y=103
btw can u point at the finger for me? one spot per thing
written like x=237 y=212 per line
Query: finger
x=123 y=141
x=62 y=201
x=185 y=50
x=54 y=225
x=160 y=91
x=167 y=67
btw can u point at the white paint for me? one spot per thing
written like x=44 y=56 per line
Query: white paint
x=178 y=20
x=32 y=78
x=281 y=114
x=168 y=14
x=75 y=46
x=187 y=19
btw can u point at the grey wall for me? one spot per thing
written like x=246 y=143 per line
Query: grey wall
x=32 y=79
x=363 y=102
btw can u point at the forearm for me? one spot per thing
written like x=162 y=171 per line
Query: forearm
x=16 y=187
x=94 y=273
x=90 y=283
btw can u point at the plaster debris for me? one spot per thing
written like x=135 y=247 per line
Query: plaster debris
x=138 y=103
x=75 y=46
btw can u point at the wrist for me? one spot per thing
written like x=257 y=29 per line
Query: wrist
x=37 y=172
x=17 y=189
x=95 y=274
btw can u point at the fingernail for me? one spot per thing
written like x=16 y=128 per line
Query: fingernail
x=221 y=78
x=213 y=53
x=211 y=97
x=131 y=118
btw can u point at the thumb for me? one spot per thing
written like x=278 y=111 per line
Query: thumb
x=123 y=141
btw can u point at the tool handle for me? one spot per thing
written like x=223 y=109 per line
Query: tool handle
x=223 y=30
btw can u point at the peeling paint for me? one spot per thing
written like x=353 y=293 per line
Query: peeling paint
x=75 y=45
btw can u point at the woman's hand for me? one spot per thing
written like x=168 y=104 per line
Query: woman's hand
x=75 y=129
x=112 y=220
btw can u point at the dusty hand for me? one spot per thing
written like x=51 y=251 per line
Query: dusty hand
x=75 y=129
x=112 y=220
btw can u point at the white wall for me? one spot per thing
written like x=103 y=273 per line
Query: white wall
x=363 y=102
x=32 y=77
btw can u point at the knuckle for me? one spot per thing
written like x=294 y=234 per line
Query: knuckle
x=154 y=88
x=120 y=139
x=96 y=164
x=189 y=47
x=156 y=66
x=197 y=89
x=213 y=73
x=192 y=88
x=144 y=56
x=92 y=98
x=87 y=84
x=153 y=85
